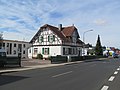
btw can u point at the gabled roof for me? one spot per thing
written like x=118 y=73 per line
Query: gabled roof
x=68 y=31
x=65 y=31
x=55 y=30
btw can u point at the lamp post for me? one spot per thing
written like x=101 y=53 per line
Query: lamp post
x=84 y=40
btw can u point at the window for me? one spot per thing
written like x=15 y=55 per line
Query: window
x=15 y=45
x=66 y=51
x=35 y=50
x=51 y=38
x=7 y=44
x=41 y=39
x=24 y=52
x=20 y=47
x=29 y=50
x=3 y=44
x=63 y=51
x=70 y=50
x=14 y=52
x=74 y=50
x=77 y=51
x=45 y=51
x=10 y=48
x=74 y=39
x=24 y=45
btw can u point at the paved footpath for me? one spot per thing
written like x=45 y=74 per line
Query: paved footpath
x=34 y=64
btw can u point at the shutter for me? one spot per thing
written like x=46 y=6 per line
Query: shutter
x=48 y=50
x=42 y=39
x=53 y=37
x=42 y=50
x=38 y=39
x=48 y=38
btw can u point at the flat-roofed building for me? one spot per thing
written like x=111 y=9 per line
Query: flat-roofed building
x=13 y=47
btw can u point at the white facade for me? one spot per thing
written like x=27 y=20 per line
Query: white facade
x=12 y=48
x=48 y=43
x=54 y=51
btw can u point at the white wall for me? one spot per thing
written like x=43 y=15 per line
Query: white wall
x=53 y=51
x=16 y=48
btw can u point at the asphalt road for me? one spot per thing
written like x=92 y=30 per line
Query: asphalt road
x=95 y=75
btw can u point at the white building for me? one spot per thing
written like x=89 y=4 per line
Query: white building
x=13 y=47
x=52 y=41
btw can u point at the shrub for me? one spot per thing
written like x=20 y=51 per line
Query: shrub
x=39 y=56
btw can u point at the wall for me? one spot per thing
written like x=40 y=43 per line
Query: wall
x=53 y=51
x=12 y=50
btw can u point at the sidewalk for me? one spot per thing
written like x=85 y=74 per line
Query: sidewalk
x=34 y=64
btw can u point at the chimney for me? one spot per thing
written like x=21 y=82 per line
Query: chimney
x=60 y=27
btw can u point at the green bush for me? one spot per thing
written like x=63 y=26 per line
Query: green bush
x=39 y=56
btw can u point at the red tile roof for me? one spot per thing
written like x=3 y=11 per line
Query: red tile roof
x=68 y=30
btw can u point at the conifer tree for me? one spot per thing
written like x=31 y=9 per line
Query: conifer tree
x=98 y=48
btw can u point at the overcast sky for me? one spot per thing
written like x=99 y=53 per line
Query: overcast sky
x=21 y=19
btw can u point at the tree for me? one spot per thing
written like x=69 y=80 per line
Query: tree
x=98 y=48
x=1 y=36
x=1 y=39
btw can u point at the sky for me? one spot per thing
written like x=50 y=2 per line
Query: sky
x=21 y=19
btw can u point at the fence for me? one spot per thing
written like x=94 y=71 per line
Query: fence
x=5 y=61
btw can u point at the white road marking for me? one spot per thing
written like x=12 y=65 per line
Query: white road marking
x=62 y=74
x=116 y=72
x=111 y=78
x=118 y=69
x=105 y=88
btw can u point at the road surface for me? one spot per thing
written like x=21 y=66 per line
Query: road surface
x=94 y=75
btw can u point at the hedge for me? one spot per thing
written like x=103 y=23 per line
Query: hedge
x=58 y=59
x=63 y=59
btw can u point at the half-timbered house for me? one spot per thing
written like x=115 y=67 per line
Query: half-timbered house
x=52 y=41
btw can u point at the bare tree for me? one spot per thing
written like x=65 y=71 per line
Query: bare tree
x=1 y=39
x=1 y=35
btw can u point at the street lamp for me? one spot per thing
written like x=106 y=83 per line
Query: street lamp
x=84 y=40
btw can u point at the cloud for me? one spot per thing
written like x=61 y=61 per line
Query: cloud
x=22 y=18
x=100 y=22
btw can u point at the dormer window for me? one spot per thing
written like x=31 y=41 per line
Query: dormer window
x=74 y=39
